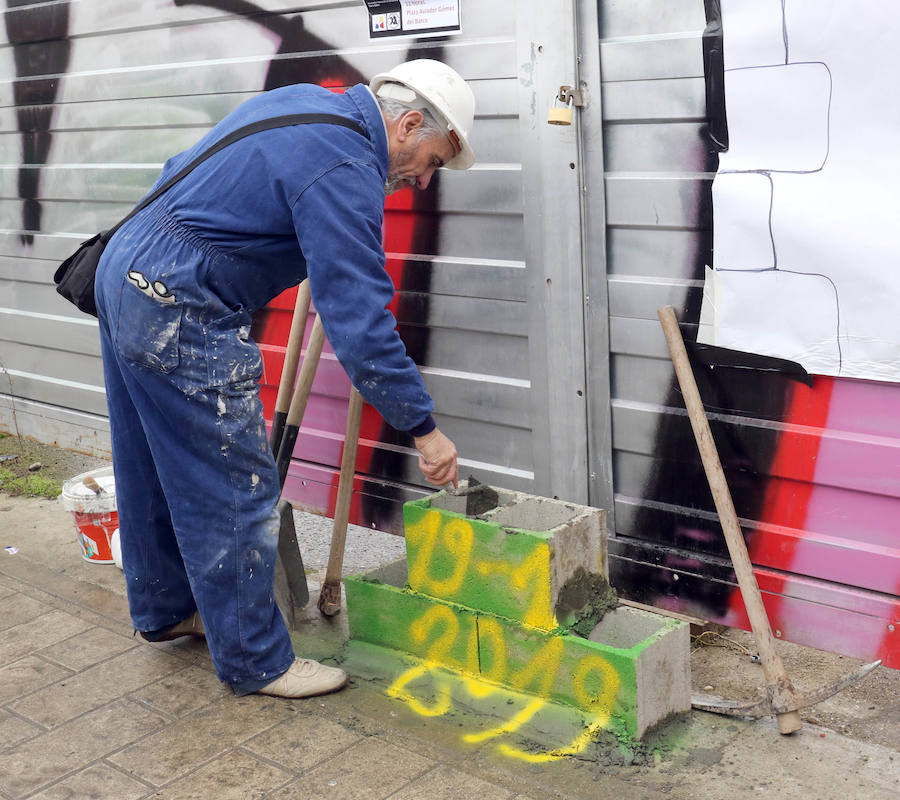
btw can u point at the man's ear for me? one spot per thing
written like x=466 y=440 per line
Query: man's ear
x=410 y=122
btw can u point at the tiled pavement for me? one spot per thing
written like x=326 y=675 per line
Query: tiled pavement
x=89 y=711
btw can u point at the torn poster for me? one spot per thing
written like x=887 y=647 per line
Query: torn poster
x=804 y=201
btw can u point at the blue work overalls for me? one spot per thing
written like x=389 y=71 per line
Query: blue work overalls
x=196 y=483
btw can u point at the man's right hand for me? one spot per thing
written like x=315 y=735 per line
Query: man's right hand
x=437 y=458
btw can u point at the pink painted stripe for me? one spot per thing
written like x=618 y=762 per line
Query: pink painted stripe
x=868 y=409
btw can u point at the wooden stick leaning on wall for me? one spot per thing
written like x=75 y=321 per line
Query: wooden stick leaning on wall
x=773 y=668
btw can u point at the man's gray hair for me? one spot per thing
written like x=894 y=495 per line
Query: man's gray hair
x=394 y=109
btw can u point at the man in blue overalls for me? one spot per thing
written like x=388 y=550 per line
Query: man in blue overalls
x=196 y=482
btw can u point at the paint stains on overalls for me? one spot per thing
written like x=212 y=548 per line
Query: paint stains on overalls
x=196 y=483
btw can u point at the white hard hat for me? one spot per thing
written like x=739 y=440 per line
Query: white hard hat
x=444 y=90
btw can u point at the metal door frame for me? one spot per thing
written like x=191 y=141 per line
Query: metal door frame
x=565 y=246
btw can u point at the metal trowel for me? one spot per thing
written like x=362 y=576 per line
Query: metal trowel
x=479 y=496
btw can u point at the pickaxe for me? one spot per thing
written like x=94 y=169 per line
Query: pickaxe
x=781 y=699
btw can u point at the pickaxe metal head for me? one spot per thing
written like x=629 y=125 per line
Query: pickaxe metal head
x=781 y=698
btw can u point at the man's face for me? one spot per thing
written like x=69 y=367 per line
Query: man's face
x=413 y=160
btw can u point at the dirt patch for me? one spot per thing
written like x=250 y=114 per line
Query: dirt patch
x=724 y=662
x=52 y=466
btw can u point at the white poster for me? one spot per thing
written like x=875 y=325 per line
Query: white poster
x=806 y=202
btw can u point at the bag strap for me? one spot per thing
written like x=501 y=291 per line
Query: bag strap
x=254 y=127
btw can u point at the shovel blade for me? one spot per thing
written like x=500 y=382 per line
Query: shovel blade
x=291 y=588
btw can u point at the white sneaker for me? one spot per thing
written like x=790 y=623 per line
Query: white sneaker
x=306 y=678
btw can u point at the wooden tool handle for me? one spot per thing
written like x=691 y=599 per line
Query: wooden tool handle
x=294 y=346
x=289 y=370
x=345 y=489
x=300 y=399
x=92 y=484
x=776 y=676
x=307 y=374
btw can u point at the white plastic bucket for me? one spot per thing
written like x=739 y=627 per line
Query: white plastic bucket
x=95 y=514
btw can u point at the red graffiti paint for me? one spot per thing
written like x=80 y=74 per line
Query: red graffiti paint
x=827 y=564
x=400 y=230
x=788 y=490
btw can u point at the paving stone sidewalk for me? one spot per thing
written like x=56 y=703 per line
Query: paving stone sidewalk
x=89 y=711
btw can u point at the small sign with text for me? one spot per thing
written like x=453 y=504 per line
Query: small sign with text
x=413 y=18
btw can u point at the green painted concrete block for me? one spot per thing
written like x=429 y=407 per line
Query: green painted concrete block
x=479 y=564
x=661 y=648
x=494 y=717
x=380 y=611
x=629 y=675
x=634 y=667
x=513 y=558
x=564 y=669
x=492 y=588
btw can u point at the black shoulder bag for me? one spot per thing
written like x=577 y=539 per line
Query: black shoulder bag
x=74 y=278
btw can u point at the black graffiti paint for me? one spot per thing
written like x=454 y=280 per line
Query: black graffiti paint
x=675 y=531
x=289 y=64
x=714 y=70
x=39 y=35
x=40 y=46
x=657 y=543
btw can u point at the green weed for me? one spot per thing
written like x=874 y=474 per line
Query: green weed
x=31 y=485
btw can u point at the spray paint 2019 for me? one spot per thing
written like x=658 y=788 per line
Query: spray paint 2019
x=478 y=631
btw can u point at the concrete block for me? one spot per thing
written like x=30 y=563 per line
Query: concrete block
x=381 y=611
x=662 y=661
x=477 y=712
x=564 y=669
x=634 y=667
x=512 y=558
x=629 y=675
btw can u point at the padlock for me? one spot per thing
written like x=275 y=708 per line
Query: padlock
x=560 y=115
